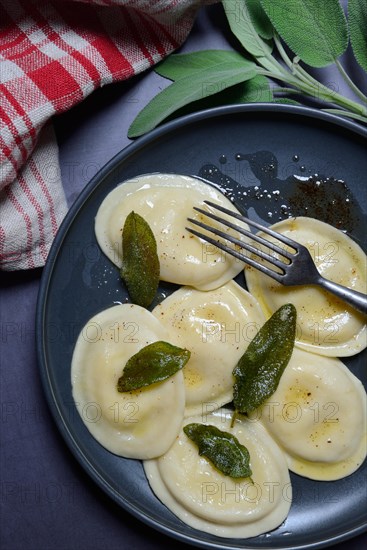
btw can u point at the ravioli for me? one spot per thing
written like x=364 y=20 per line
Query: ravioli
x=165 y=201
x=131 y=424
x=204 y=498
x=216 y=326
x=318 y=416
x=326 y=325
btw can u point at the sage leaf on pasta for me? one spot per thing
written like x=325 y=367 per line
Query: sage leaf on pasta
x=222 y=448
x=140 y=263
x=154 y=363
x=259 y=370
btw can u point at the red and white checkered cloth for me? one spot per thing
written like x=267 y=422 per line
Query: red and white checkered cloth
x=53 y=54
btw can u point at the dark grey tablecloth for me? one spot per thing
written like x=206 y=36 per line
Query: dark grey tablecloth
x=47 y=500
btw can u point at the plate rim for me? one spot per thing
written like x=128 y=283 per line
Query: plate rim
x=76 y=206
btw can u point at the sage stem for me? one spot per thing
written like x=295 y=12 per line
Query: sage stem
x=350 y=82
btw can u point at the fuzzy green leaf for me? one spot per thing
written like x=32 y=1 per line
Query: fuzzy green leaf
x=258 y=371
x=140 y=263
x=315 y=30
x=178 y=66
x=182 y=92
x=256 y=90
x=242 y=26
x=223 y=449
x=260 y=20
x=153 y=363
x=357 y=15
x=252 y=91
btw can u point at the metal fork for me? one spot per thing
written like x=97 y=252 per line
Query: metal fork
x=293 y=268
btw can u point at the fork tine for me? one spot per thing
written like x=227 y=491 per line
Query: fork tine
x=242 y=257
x=242 y=244
x=286 y=240
x=243 y=231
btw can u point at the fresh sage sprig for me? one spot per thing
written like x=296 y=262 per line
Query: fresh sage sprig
x=317 y=32
x=223 y=449
x=140 y=263
x=260 y=368
x=153 y=363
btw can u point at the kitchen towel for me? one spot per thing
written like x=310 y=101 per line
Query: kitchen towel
x=53 y=54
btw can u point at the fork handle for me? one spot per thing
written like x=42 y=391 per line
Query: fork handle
x=351 y=297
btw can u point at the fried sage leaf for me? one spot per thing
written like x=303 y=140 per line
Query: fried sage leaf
x=223 y=449
x=153 y=363
x=140 y=263
x=258 y=371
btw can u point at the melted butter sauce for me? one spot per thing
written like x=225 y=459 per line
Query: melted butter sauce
x=274 y=198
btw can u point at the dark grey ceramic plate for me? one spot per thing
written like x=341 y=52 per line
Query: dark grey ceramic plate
x=249 y=149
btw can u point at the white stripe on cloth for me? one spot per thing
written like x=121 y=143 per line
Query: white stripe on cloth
x=32 y=208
